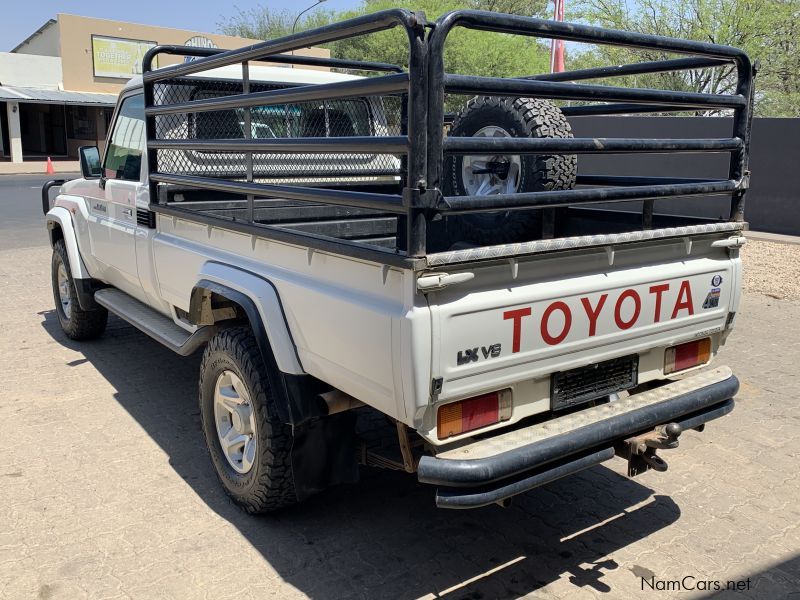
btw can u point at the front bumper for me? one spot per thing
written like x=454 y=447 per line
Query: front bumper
x=493 y=469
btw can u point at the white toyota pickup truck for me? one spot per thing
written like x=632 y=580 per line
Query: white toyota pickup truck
x=334 y=245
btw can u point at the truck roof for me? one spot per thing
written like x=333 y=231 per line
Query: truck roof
x=264 y=73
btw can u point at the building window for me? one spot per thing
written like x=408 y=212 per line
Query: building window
x=81 y=123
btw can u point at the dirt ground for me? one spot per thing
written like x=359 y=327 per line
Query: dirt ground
x=106 y=490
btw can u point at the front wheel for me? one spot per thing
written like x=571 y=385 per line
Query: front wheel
x=250 y=448
x=77 y=323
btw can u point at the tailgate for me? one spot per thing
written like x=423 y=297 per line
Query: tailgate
x=562 y=312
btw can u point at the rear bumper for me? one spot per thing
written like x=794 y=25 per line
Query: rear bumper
x=499 y=467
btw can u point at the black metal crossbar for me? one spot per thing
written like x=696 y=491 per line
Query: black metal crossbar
x=350 y=144
x=388 y=84
x=498 y=86
x=623 y=108
x=288 y=59
x=558 y=198
x=483 y=145
x=656 y=66
x=386 y=202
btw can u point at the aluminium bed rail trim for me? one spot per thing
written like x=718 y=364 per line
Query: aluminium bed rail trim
x=505 y=251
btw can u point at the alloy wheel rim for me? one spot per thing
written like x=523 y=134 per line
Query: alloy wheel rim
x=235 y=422
x=489 y=175
x=64 y=297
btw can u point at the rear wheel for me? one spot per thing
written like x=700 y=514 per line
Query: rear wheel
x=495 y=117
x=249 y=447
x=77 y=323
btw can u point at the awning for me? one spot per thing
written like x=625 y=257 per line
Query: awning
x=41 y=96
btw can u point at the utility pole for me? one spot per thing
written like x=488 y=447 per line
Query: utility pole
x=557 y=46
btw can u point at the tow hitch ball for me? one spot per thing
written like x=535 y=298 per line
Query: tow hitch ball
x=640 y=451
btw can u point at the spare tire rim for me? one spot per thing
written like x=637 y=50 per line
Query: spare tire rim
x=235 y=422
x=491 y=175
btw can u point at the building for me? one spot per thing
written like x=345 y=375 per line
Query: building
x=59 y=85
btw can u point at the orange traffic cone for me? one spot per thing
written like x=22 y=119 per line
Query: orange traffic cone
x=50 y=170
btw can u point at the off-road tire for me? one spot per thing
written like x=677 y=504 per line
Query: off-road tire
x=269 y=484
x=520 y=117
x=80 y=324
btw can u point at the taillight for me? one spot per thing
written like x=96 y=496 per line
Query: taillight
x=685 y=356
x=460 y=417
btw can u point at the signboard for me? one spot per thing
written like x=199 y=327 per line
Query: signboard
x=198 y=41
x=117 y=57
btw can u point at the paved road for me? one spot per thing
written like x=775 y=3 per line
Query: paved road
x=21 y=210
x=106 y=491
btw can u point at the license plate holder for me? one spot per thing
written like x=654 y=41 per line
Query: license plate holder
x=576 y=386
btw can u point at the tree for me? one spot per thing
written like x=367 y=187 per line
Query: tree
x=472 y=52
x=767 y=30
x=266 y=24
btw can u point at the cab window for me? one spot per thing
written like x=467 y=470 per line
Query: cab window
x=125 y=148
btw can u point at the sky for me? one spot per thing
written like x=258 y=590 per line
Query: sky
x=20 y=19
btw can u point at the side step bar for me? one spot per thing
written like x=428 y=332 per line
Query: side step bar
x=157 y=326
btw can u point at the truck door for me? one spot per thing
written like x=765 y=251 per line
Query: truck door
x=112 y=210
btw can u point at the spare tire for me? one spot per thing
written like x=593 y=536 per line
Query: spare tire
x=493 y=116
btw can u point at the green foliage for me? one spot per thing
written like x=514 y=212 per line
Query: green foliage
x=766 y=29
x=468 y=52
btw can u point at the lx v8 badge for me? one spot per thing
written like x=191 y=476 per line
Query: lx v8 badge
x=474 y=355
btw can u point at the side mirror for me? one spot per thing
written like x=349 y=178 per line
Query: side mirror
x=90 y=162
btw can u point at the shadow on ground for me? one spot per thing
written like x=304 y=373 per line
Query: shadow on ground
x=772 y=582
x=384 y=536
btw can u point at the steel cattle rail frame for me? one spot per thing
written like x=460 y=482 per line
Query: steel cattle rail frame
x=621 y=100
x=422 y=142
x=411 y=143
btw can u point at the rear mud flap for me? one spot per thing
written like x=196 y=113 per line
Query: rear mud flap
x=325 y=453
